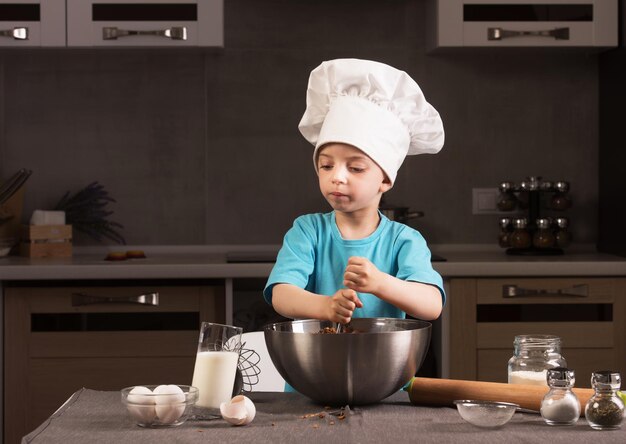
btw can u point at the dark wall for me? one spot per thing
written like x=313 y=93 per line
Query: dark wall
x=202 y=147
x=612 y=157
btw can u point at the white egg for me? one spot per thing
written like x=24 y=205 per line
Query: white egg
x=141 y=405
x=238 y=411
x=170 y=403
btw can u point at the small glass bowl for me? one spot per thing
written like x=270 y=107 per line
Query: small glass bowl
x=159 y=410
x=485 y=413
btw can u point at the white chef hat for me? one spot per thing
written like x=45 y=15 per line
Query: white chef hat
x=372 y=106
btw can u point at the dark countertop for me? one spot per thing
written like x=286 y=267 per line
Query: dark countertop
x=99 y=417
x=205 y=262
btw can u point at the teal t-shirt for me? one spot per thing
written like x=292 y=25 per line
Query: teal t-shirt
x=314 y=257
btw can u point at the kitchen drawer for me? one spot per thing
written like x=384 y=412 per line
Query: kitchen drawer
x=588 y=314
x=141 y=23
x=59 y=339
x=32 y=23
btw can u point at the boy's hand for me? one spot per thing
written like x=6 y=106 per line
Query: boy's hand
x=361 y=275
x=342 y=305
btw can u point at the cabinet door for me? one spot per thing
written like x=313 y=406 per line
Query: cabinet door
x=160 y=23
x=589 y=315
x=60 y=339
x=523 y=23
x=32 y=23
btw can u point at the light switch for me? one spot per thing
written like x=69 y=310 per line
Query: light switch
x=484 y=201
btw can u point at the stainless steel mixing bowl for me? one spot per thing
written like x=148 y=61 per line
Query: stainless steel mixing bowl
x=348 y=368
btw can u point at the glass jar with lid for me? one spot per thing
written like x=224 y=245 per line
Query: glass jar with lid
x=563 y=237
x=543 y=237
x=533 y=356
x=605 y=409
x=520 y=237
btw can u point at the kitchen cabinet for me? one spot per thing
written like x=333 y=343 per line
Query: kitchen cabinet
x=31 y=23
x=111 y=23
x=59 y=337
x=140 y=23
x=522 y=23
x=588 y=314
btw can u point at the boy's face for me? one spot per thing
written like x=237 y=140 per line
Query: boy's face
x=349 y=179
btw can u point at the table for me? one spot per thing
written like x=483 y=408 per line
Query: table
x=99 y=417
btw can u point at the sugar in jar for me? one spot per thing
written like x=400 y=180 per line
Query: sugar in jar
x=533 y=356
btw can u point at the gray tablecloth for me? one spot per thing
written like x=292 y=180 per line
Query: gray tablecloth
x=99 y=417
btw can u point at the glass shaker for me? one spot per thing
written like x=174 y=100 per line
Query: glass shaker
x=563 y=236
x=520 y=237
x=505 y=232
x=560 y=405
x=533 y=356
x=560 y=200
x=543 y=237
x=605 y=409
x=507 y=200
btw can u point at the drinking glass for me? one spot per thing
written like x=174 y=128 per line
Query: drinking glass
x=214 y=373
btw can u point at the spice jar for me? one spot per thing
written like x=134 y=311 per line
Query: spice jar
x=533 y=356
x=520 y=237
x=505 y=232
x=560 y=200
x=507 y=200
x=605 y=409
x=543 y=237
x=563 y=236
x=560 y=405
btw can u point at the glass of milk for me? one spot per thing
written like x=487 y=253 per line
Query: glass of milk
x=216 y=364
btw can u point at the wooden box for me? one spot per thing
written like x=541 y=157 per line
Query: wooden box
x=46 y=241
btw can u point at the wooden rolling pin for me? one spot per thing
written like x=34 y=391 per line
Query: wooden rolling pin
x=432 y=391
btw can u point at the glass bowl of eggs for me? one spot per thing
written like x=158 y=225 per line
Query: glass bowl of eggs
x=165 y=405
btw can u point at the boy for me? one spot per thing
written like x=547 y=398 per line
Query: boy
x=363 y=118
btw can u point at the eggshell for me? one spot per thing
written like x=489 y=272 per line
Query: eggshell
x=238 y=411
x=170 y=403
x=141 y=405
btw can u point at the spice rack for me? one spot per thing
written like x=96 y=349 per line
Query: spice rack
x=544 y=229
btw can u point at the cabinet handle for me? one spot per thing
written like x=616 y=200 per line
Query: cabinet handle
x=79 y=299
x=513 y=291
x=499 y=33
x=15 y=33
x=174 y=33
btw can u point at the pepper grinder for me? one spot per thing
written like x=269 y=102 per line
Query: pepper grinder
x=560 y=405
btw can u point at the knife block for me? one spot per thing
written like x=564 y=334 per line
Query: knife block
x=46 y=241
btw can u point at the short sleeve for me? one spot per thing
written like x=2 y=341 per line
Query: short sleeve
x=296 y=258
x=414 y=261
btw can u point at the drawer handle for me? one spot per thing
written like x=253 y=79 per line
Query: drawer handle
x=79 y=299
x=15 y=33
x=513 y=291
x=499 y=33
x=174 y=33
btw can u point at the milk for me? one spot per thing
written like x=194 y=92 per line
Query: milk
x=528 y=377
x=214 y=375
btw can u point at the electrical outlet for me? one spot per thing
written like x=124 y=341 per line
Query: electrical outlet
x=484 y=201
